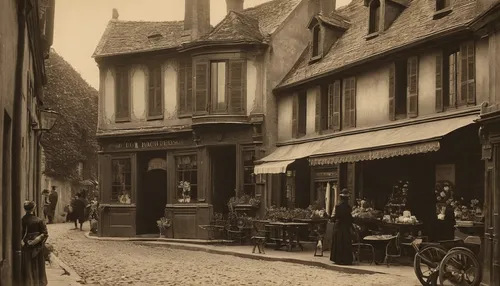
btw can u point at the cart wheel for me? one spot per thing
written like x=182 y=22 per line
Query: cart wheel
x=460 y=267
x=426 y=264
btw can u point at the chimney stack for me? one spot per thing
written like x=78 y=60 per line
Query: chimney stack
x=326 y=7
x=115 y=14
x=234 y=5
x=196 y=19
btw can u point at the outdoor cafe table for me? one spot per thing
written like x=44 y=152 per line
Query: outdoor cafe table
x=383 y=239
x=286 y=234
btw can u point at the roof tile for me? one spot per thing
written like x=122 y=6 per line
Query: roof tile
x=413 y=24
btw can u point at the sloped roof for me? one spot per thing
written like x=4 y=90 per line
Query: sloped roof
x=235 y=27
x=123 y=37
x=415 y=23
x=251 y=24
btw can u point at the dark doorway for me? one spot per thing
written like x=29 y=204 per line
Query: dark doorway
x=223 y=161
x=152 y=192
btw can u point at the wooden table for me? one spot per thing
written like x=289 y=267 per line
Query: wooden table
x=286 y=234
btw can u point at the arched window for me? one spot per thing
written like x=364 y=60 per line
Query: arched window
x=374 y=16
x=315 y=41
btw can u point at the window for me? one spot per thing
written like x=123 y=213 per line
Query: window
x=315 y=41
x=349 y=104
x=373 y=26
x=403 y=89
x=121 y=172
x=122 y=100
x=186 y=168
x=248 y=176
x=455 y=78
x=328 y=106
x=155 y=100
x=299 y=114
x=218 y=86
x=442 y=4
x=185 y=87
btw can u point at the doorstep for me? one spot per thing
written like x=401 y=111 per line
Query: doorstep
x=305 y=257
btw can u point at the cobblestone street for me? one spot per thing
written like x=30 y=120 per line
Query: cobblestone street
x=126 y=263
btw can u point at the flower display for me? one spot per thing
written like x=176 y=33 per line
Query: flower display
x=444 y=192
x=467 y=212
x=185 y=188
x=124 y=198
x=364 y=209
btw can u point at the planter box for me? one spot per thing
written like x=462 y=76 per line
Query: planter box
x=250 y=210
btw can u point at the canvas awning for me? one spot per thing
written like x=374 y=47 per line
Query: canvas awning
x=283 y=156
x=386 y=143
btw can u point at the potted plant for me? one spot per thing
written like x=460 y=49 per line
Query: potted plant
x=163 y=224
x=185 y=195
x=244 y=204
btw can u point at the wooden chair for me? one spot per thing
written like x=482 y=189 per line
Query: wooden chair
x=260 y=237
x=358 y=245
x=238 y=232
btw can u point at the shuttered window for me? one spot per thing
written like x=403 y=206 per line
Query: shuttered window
x=334 y=106
x=349 y=106
x=467 y=74
x=122 y=96
x=201 y=87
x=412 y=99
x=185 y=106
x=237 y=86
x=155 y=94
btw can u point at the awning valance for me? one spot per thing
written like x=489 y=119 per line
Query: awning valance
x=277 y=161
x=387 y=143
x=272 y=167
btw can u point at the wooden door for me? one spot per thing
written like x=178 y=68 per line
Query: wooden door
x=490 y=247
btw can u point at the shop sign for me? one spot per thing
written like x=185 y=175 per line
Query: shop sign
x=157 y=164
x=145 y=144
x=326 y=174
x=445 y=173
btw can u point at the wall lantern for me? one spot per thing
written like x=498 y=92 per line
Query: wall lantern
x=48 y=118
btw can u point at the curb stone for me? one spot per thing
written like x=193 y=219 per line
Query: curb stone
x=197 y=247
x=65 y=267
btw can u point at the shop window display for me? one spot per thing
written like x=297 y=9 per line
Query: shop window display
x=187 y=178
x=121 y=181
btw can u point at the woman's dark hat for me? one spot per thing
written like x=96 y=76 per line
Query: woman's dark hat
x=29 y=205
x=344 y=193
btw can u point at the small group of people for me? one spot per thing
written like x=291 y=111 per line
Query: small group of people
x=78 y=210
x=50 y=199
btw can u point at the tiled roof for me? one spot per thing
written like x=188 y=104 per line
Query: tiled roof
x=335 y=20
x=123 y=37
x=235 y=27
x=252 y=24
x=415 y=23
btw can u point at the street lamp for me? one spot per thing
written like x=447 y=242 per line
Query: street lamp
x=48 y=118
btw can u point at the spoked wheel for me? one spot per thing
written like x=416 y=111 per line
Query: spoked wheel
x=426 y=264
x=460 y=267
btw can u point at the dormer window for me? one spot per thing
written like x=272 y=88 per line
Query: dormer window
x=316 y=41
x=374 y=23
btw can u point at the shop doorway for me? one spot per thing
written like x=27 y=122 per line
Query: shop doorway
x=223 y=171
x=152 y=192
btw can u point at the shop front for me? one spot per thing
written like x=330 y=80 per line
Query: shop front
x=183 y=177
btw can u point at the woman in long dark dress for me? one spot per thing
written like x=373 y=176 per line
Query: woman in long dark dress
x=341 y=250
x=34 y=236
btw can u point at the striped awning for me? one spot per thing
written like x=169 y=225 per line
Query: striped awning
x=272 y=167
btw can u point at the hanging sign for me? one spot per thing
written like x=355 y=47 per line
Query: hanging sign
x=157 y=164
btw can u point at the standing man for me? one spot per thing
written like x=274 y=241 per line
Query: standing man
x=53 y=197
x=46 y=203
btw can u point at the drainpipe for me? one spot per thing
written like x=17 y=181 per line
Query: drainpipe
x=16 y=144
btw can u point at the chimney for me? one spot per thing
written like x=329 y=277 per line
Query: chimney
x=115 y=14
x=234 y=5
x=326 y=7
x=196 y=19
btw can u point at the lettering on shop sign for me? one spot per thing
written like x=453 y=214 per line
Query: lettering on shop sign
x=145 y=144
x=326 y=174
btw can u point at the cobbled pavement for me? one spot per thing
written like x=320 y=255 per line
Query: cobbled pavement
x=127 y=263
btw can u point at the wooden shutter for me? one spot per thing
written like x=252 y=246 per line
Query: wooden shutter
x=392 y=92
x=189 y=86
x=122 y=107
x=439 y=83
x=334 y=103
x=412 y=95
x=295 y=115
x=182 y=88
x=201 y=87
x=350 y=102
x=237 y=86
x=155 y=95
x=318 y=110
x=467 y=74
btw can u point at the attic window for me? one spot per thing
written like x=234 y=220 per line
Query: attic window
x=373 y=26
x=443 y=8
x=315 y=41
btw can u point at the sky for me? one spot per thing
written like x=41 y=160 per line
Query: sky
x=79 y=24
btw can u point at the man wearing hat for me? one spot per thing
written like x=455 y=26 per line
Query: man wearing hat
x=341 y=250
x=53 y=197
